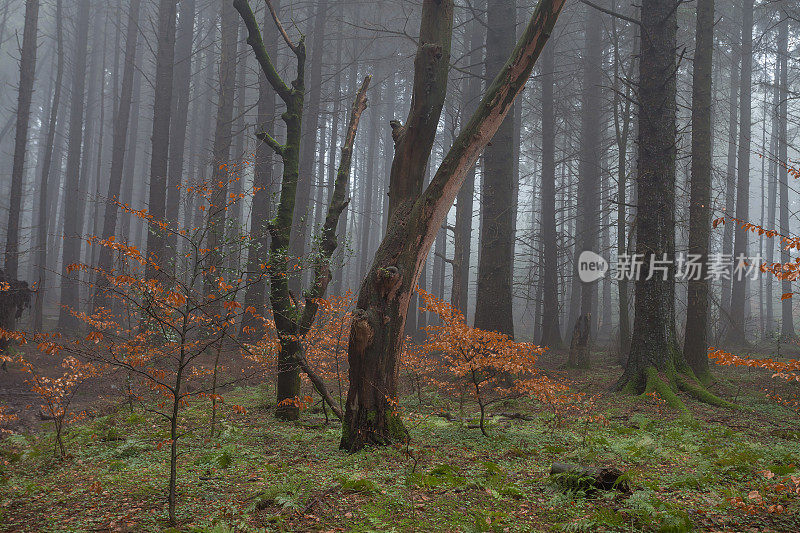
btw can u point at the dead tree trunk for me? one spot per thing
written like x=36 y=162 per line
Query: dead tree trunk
x=293 y=320
x=379 y=321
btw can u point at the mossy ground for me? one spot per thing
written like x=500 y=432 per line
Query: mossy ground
x=260 y=474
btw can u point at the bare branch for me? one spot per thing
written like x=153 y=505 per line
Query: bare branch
x=612 y=13
x=285 y=36
x=256 y=42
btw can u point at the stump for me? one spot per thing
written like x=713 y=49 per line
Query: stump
x=588 y=479
x=579 y=345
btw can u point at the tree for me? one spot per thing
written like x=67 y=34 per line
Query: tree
x=121 y=121
x=787 y=321
x=263 y=178
x=416 y=216
x=162 y=113
x=652 y=352
x=694 y=349
x=27 y=73
x=493 y=306
x=72 y=205
x=551 y=333
x=736 y=334
x=588 y=200
x=293 y=318
x=44 y=201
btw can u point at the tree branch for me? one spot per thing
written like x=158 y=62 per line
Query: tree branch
x=612 y=13
x=269 y=140
x=285 y=36
x=256 y=42
x=328 y=243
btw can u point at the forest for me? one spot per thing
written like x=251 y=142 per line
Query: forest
x=425 y=265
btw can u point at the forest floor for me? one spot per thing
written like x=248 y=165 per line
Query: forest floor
x=721 y=470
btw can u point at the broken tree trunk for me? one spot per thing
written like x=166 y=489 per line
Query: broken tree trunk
x=379 y=320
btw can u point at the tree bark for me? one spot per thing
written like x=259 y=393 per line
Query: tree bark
x=121 y=122
x=736 y=334
x=551 y=331
x=72 y=217
x=651 y=349
x=27 y=73
x=44 y=200
x=379 y=320
x=696 y=344
x=494 y=299
x=162 y=120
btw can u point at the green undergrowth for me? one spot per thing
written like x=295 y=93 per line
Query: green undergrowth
x=260 y=474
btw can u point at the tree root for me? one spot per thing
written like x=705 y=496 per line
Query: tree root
x=666 y=384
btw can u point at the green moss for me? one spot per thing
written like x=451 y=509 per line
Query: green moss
x=656 y=384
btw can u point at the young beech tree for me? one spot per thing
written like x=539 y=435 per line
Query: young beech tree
x=415 y=216
x=487 y=365
x=294 y=318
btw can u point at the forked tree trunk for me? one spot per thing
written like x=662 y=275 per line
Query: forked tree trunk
x=293 y=320
x=379 y=321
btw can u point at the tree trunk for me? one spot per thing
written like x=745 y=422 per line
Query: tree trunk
x=695 y=344
x=379 y=320
x=730 y=172
x=551 y=331
x=179 y=119
x=303 y=211
x=736 y=334
x=162 y=113
x=118 y=151
x=651 y=349
x=44 y=201
x=217 y=210
x=493 y=306
x=27 y=73
x=465 y=202
x=787 y=321
x=258 y=251
x=72 y=217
